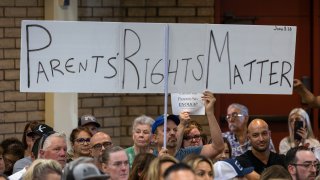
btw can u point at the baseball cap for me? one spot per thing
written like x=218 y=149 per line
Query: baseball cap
x=40 y=130
x=83 y=169
x=86 y=119
x=229 y=168
x=160 y=121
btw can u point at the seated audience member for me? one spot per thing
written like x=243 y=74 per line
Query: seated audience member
x=275 y=172
x=301 y=163
x=159 y=165
x=193 y=135
x=140 y=166
x=305 y=133
x=13 y=150
x=237 y=118
x=115 y=163
x=90 y=122
x=54 y=146
x=2 y=165
x=43 y=169
x=82 y=168
x=179 y=171
x=80 y=143
x=226 y=153
x=37 y=131
x=141 y=135
x=260 y=157
x=306 y=95
x=201 y=165
x=173 y=147
x=231 y=168
x=99 y=142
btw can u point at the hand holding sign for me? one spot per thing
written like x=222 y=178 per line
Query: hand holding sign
x=191 y=103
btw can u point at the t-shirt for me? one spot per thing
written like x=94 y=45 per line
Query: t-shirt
x=21 y=163
x=183 y=152
x=248 y=159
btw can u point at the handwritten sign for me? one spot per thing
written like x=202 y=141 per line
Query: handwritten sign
x=183 y=102
x=103 y=57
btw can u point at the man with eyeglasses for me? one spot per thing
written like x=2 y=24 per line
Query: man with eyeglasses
x=237 y=118
x=99 y=143
x=302 y=164
x=115 y=163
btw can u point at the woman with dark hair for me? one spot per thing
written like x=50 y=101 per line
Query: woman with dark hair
x=80 y=143
x=28 y=138
x=140 y=166
x=13 y=151
x=226 y=153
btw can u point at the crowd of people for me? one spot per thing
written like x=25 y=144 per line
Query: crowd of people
x=181 y=151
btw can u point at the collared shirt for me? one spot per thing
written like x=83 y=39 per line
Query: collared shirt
x=237 y=148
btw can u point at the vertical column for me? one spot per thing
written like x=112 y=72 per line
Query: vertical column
x=61 y=109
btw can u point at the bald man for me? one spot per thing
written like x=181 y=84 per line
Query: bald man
x=260 y=156
x=99 y=142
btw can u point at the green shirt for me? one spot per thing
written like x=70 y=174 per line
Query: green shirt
x=131 y=155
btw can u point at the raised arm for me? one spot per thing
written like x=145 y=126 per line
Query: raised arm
x=184 y=119
x=217 y=145
x=306 y=95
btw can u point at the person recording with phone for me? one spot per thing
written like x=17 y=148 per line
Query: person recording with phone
x=300 y=132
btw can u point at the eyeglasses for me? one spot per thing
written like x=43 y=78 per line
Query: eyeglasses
x=196 y=137
x=104 y=144
x=233 y=116
x=309 y=165
x=83 y=140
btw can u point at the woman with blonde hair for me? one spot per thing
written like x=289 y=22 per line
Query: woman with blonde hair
x=159 y=165
x=43 y=169
x=202 y=166
x=305 y=134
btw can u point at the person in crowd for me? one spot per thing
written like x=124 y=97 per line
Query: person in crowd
x=83 y=168
x=202 y=166
x=306 y=95
x=179 y=171
x=115 y=163
x=260 y=157
x=80 y=143
x=3 y=177
x=141 y=135
x=275 y=172
x=159 y=165
x=99 y=142
x=226 y=153
x=231 y=168
x=28 y=138
x=37 y=131
x=90 y=122
x=193 y=135
x=34 y=156
x=172 y=145
x=301 y=163
x=2 y=165
x=13 y=150
x=237 y=118
x=43 y=169
x=140 y=166
x=306 y=133
x=54 y=146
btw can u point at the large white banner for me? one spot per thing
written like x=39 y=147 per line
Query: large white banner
x=103 y=57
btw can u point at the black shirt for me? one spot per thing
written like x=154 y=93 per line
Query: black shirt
x=249 y=160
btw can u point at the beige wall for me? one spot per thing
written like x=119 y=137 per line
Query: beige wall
x=115 y=112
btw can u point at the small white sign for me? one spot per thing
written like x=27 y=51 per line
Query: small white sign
x=191 y=103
